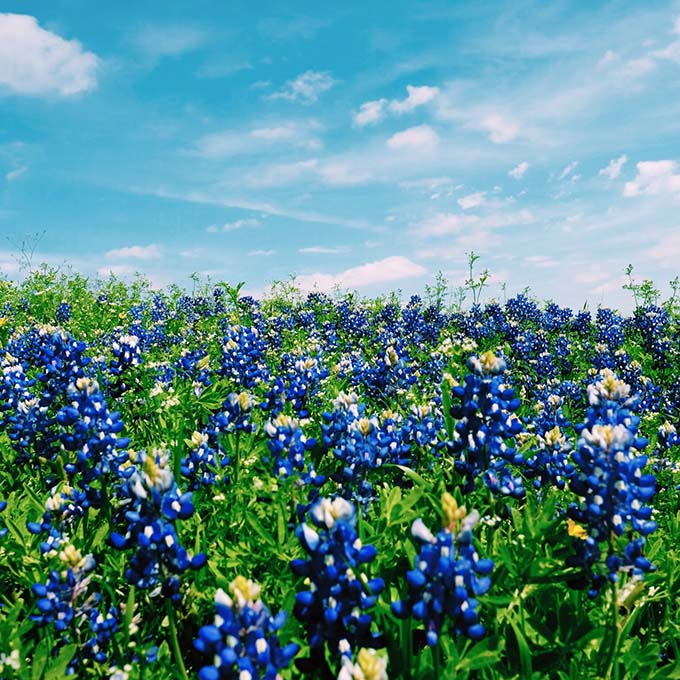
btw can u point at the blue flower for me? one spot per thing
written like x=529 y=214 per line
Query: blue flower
x=336 y=606
x=447 y=576
x=243 y=642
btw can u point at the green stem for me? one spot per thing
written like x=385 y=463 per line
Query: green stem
x=174 y=640
x=613 y=663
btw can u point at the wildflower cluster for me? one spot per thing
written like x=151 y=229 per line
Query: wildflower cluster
x=243 y=642
x=484 y=409
x=152 y=504
x=335 y=608
x=612 y=487
x=447 y=576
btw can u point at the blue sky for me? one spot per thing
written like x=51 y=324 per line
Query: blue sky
x=369 y=145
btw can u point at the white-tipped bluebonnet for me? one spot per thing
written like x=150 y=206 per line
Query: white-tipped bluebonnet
x=336 y=606
x=447 y=576
x=243 y=642
x=484 y=409
x=613 y=490
x=288 y=445
x=153 y=504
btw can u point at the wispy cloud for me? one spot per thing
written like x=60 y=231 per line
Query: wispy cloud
x=261 y=253
x=219 y=199
x=472 y=200
x=568 y=170
x=17 y=173
x=442 y=224
x=542 y=261
x=306 y=88
x=613 y=170
x=519 y=171
x=247 y=222
x=300 y=134
x=417 y=96
x=374 y=111
x=654 y=178
x=321 y=250
x=395 y=268
x=499 y=128
x=169 y=40
x=34 y=61
x=150 y=252
x=418 y=137
x=370 y=112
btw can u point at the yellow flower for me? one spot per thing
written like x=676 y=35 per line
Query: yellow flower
x=452 y=513
x=576 y=530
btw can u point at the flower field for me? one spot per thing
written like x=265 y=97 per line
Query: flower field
x=319 y=486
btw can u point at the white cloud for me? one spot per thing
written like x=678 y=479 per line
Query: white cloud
x=370 y=112
x=607 y=58
x=261 y=253
x=150 y=252
x=450 y=223
x=568 y=170
x=34 y=61
x=16 y=174
x=499 y=129
x=666 y=251
x=374 y=111
x=116 y=270
x=419 y=137
x=417 y=96
x=613 y=170
x=295 y=134
x=333 y=173
x=519 y=171
x=9 y=267
x=320 y=250
x=654 y=178
x=445 y=223
x=543 y=261
x=306 y=88
x=240 y=224
x=342 y=174
x=472 y=200
x=169 y=40
x=389 y=269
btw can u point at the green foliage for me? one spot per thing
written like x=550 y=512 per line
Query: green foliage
x=539 y=621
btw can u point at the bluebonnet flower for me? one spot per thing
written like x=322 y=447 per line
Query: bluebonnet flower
x=91 y=431
x=362 y=444
x=126 y=350
x=243 y=357
x=304 y=381
x=67 y=601
x=336 y=606
x=288 y=444
x=612 y=488
x=63 y=314
x=522 y=310
x=447 y=576
x=206 y=459
x=236 y=414
x=243 y=641
x=548 y=462
x=484 y=409
x=153 y=503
